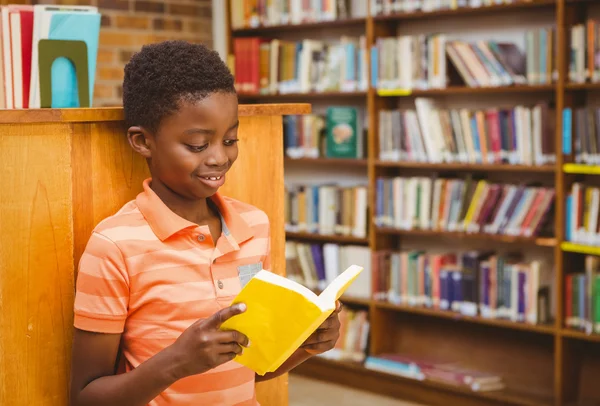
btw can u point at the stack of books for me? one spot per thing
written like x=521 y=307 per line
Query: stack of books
x=582 y=297
x=522 y=135
x=317 y=265
x=457 y=205
x=584 y=58
x=472 y=283
x=449 y=373
x=257 y=13
x=273 y=66
x=24 y=31
x=421 y=61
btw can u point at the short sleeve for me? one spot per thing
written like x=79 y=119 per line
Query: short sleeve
x=102 y=288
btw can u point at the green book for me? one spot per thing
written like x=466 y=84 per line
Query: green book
x=342 y=132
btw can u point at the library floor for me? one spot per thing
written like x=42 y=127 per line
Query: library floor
x=308 y=392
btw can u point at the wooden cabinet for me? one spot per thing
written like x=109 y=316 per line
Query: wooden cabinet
x=63 y=171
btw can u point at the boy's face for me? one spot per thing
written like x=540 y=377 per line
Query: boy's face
x=194 y=147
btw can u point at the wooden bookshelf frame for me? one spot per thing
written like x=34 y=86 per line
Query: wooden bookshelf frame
x=565 y=363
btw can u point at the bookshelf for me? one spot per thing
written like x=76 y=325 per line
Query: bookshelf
x=541 y=364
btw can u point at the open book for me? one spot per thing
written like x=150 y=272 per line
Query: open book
x=281 y=314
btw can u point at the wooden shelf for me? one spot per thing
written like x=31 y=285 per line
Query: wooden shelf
x=581 y=169
x=300 y=96
x=458 y=90
x=579 y=335
x=363 y=377
x=328 y=161
x=467 y=167
x=582 y=86
x=340 y=239
x=539 y=241
x=580 y=248
x=465 y=11
x=350 y=22
x=536 y=328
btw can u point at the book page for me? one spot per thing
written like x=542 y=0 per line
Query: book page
x=339 y=285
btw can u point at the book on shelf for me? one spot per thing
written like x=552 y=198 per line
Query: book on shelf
x=582 y=208
x=471 y=283
x=463 y=205
x=317 y=265
x=388 y=7
x=271 y=66
x=339 y=133
x=584 y=56
x=257 y=13
x=326 y=209
x=429 y=61
x=354 y=335
x=581 y=134
x=582 y=297
x=451 y=373
x=28 y=35
x=430 y=133
x=280 y=315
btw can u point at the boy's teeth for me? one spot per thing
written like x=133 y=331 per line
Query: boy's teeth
x=212 y=177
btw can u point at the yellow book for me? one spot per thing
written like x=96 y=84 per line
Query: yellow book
x=280 y=315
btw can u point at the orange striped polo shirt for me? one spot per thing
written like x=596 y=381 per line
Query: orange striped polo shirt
x=149 y=274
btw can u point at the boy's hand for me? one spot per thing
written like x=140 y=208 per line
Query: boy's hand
x=325 y=337
x=203 y=346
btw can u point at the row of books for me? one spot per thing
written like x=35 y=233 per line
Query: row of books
x=339 y=133
x=421 y=61
x=582 y=297
x=256 y=13
x=387 y=7
x=584 y=58
x=581 y=215
x=520 y=135
x=354 y=337
x=317 y=265
x=327 y=209
x=473 y=283
x=274 y=66
x=450 y=373
x=463 y=205
x=28 y=35
x=581 y=134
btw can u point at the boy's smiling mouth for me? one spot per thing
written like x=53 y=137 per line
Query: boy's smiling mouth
x=213 y=180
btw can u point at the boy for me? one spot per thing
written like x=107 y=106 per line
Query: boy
x=156 y=279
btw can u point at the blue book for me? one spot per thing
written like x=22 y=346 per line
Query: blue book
x=374 y=66
x=75 y=27
x=568 y=219
x=567 y=140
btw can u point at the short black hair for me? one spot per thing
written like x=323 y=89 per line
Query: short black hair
x=162 y=75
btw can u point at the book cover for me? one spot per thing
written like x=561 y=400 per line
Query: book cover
x=342 y=132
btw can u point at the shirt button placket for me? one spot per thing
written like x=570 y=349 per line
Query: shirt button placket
x=201 y=237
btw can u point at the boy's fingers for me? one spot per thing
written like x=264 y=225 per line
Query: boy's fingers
x=225 y=314
x=235 y=337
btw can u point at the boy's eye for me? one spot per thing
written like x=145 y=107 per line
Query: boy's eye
x=197 y=148
x=230 y=143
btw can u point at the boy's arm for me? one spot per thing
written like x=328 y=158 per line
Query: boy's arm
x=93 y=379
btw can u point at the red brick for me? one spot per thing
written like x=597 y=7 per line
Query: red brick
x=130 y=21
x=191 y=10
x=110 y=73
x=103 y=91
x=125 y=56
x=114 y=4
x=168 y=24
x=114 y=39
x=105 y=21
x=149 y=6
x=105 y=56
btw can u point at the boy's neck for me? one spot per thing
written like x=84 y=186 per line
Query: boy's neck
x=196 y=211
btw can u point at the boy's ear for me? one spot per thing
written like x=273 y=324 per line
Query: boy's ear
x=140 y=139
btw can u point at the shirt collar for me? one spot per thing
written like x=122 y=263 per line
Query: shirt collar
x=165 y=223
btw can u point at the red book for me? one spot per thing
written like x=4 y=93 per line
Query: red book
x=26 y=46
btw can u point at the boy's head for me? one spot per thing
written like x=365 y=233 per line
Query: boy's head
x=181 y=106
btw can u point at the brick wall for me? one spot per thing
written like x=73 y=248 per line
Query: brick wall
x=129 y=24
